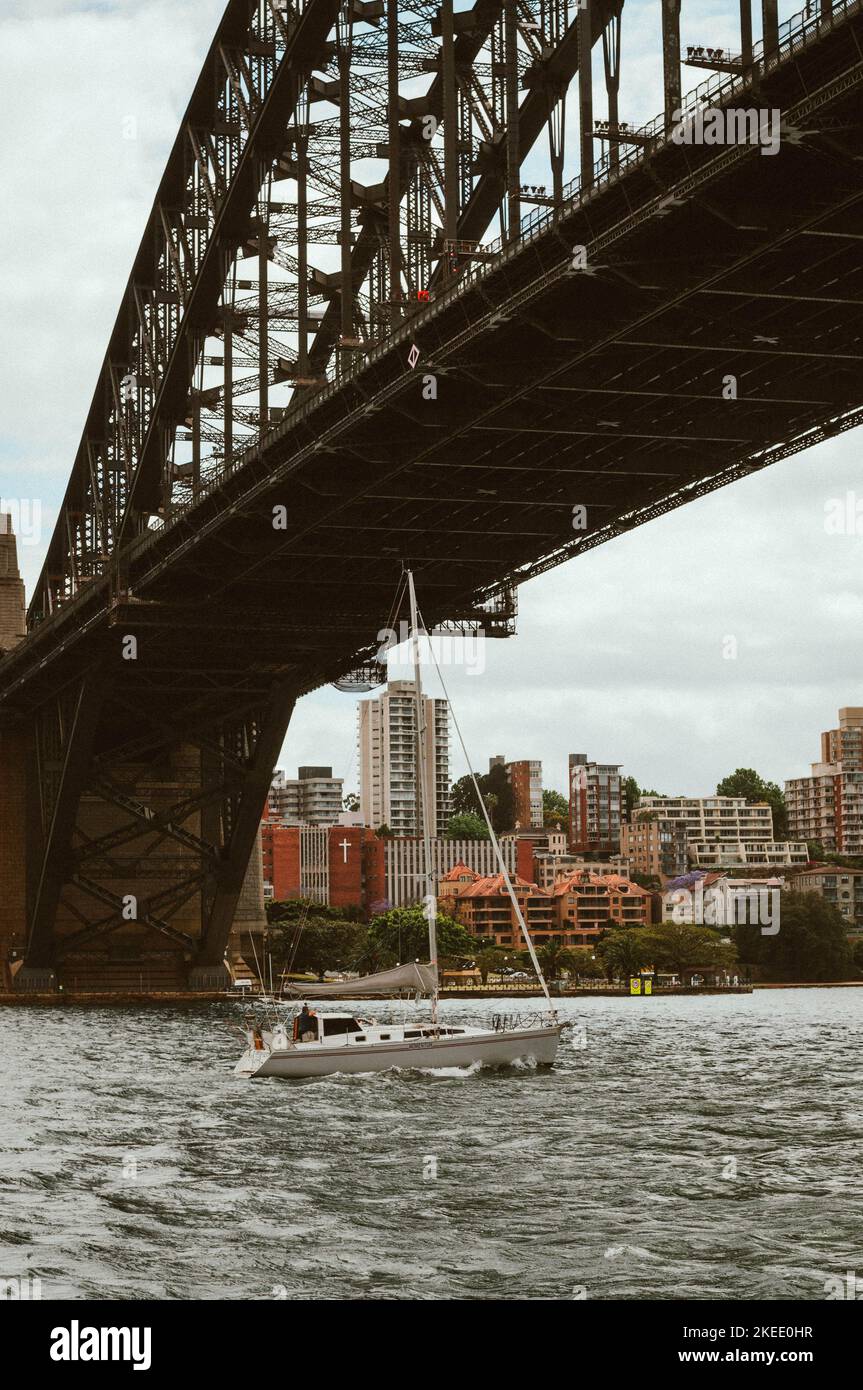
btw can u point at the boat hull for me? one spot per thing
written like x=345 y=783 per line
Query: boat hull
x=493 y=1049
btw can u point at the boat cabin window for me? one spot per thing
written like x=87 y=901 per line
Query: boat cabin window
x=344 y=1024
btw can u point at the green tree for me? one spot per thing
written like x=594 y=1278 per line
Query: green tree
x=555 y=809
x=586 y=967
x=383 y=832
x=372 y=955
x=623 y=952
x=466 y=826
x=811 y=944
x=294 y=911
x=489 y=961
x=496 y=793
x=463 y=797
x=496 y=785
x=322 y=945
x=683 y=948
x=745 y=781
x=403 y=933
x=631 y=794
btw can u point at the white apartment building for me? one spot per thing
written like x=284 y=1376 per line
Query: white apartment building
x=811 y=803
x=748 y=854
x=718 y=901
x=827 y=806
x=389 y=778
x=313 y=797
x=726 y=831
x=404 y=864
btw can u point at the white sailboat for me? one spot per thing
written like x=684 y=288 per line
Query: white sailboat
x=348 y=1042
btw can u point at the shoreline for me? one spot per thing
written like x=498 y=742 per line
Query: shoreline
x=118 y=999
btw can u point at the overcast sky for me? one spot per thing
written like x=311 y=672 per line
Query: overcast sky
x=619 y=654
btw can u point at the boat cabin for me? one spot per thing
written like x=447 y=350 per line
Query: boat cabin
x=334 y=1025
x=349 y=1028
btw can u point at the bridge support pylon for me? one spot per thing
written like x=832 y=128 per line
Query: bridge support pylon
x=126 y=837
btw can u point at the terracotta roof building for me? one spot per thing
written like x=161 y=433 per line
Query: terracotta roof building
x=573 y=912
x=483 y=905
x=588 y=903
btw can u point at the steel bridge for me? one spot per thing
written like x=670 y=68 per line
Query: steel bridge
x=353 y=338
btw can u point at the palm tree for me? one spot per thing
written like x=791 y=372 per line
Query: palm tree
x=488 y=959
x=622 y=953
x=555 y=959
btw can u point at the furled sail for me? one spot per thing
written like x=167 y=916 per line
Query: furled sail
x=414 y=976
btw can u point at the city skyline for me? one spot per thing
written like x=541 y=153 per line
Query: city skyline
x=312 y=736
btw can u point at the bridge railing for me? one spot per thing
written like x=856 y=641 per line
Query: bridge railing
x=794 y=34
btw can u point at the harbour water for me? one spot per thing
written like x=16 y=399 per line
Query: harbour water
x=693 y=1147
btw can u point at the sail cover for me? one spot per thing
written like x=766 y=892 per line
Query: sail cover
x=403 y=977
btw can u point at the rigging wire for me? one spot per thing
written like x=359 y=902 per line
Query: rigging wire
x=495 y=843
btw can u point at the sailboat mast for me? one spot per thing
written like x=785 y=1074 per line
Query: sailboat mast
x=430 y=898
x=520 y=917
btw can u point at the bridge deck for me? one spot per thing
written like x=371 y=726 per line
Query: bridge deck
x=605 y=388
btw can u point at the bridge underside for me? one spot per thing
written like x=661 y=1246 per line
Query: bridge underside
x=711 y=326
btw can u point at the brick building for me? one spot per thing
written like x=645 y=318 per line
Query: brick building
x=350 y=866
x=573 y=912
x=484 y=907
x=827 y=806
x=335 y=865
x=653 y=844
x=13 y=613
x=548 y=868
x=845 y=744
x=588 y=903
x=525 y=778
x=594 y=806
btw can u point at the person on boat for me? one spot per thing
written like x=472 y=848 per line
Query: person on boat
x=307 y=1027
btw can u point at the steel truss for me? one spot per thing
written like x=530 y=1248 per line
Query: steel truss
x=228 y=320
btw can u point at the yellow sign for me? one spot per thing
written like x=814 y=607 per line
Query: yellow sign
x=648 y=986
x=635 y=986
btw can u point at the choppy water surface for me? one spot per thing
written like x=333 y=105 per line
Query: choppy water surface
x=133 y=1164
